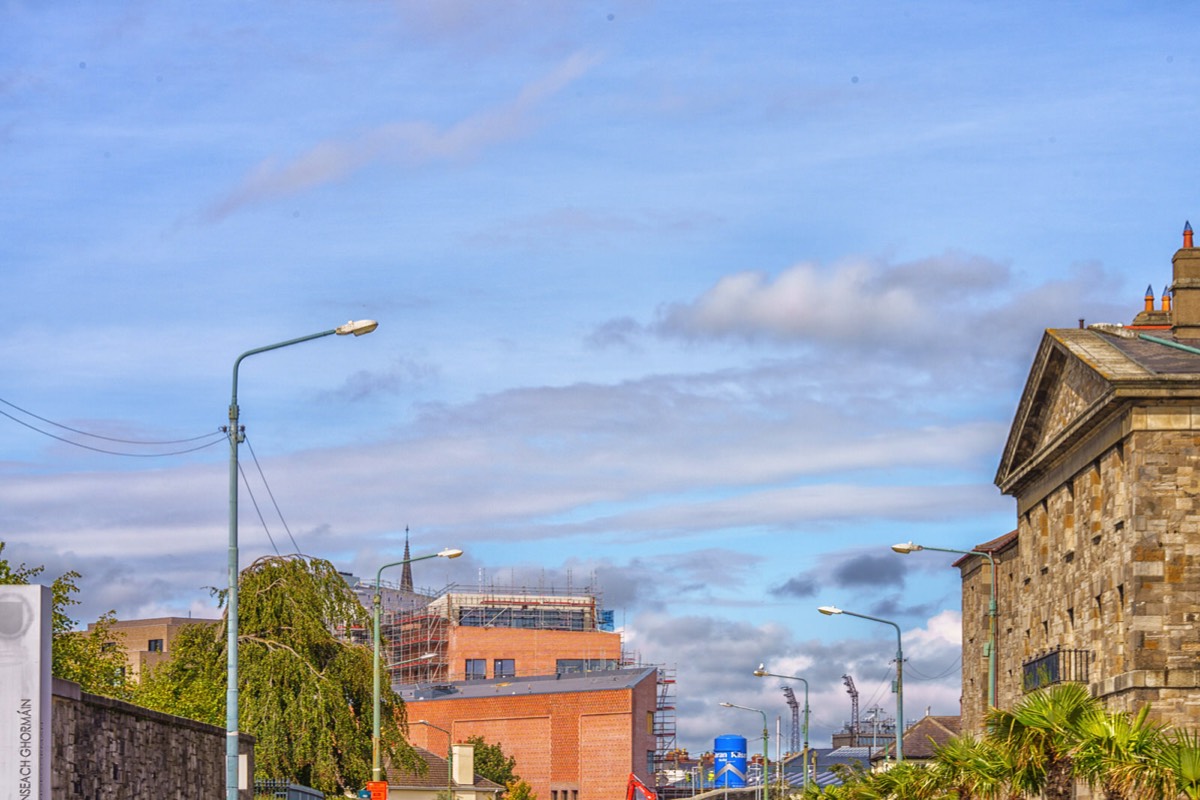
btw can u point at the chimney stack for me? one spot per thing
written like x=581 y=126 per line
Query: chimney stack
x=1185 y=289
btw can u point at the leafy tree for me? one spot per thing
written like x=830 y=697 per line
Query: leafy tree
x=518 y=789
x=303 y=693
x=974 y=769
x=1039 y=735
x=492 y=763
x=1118 y=752
x=85 y=657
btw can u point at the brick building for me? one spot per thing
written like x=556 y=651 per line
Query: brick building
x=1100 y=581
x=574 y=737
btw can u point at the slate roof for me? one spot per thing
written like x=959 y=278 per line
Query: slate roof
x=924 y=737
x=435 y=776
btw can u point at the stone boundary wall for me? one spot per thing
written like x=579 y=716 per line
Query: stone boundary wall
x=105 y=748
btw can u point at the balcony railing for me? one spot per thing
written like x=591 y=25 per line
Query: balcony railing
x=1057 y=666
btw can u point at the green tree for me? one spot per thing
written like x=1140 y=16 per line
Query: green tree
x=88 y=658
x=1179 y=754
x=519 y=790
x=1039 y=736
x=1118 y=753
x=304 y=694
x=971 y=768
x=492 y=763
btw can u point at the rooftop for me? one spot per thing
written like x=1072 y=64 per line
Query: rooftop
x=607 y=680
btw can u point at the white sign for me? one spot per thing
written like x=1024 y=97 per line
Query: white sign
x=25 y=613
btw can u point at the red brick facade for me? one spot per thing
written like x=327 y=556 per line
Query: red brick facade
x=533 y=651
x=569 y=745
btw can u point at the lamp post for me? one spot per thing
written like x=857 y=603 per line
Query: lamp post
x=766 y=733
x=910 y=547
x=449 y=757
x=761 y=672
x=235 y=438
x=376 y=602
x=830 y=610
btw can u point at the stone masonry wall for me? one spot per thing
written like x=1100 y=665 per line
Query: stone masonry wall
x=105 y=748
x=1108 y=561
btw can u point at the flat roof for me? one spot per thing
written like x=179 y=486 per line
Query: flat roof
x=604 y=680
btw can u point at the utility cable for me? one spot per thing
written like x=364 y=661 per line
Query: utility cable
x=910 y=669
x=257 y=510
x=271 y=494
x=93 y=435
x=115 y=452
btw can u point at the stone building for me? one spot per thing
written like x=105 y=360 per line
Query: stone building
x=1100 y=581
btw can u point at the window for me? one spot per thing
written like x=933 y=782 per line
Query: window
x=155 y=645
x=504 y=668
x=476 y=669
x=567 y=666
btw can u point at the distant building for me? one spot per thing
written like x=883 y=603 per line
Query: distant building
x=456 y=776
x=574 y=736
x=147 y=642
x=1100 y=581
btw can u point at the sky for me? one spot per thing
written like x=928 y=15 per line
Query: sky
x=702 y=304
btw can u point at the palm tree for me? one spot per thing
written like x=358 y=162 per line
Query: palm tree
x=1039 y=735
x=1180 y=755
x=1118 y=753
x=970 y=768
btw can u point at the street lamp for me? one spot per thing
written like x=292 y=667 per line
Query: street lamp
x=761 y=672
x=910 y=547
x=235 y=438
x=449 y=757
x=830 y=610
x=766 y=761
x=376 y=601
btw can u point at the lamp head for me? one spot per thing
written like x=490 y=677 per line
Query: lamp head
x=358 y=328
x=907 y=547
x=427 y=656
x=726 y=705
x=829 y=610
x=450 y=552
x=761 y=672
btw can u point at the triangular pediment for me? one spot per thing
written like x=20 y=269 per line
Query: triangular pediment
x=1062 y=389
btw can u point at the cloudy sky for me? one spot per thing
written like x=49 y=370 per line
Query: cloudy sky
x=702 y=303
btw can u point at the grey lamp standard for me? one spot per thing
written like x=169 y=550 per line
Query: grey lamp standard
x=236 y=436
x=910 y=547
x=376 y=602
x=761 y=672
x=830 y=610
x=449 y=757
x=766 y=760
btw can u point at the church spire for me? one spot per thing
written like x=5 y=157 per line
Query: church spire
x=406 y=583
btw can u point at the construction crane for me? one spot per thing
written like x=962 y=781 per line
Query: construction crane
x=791 y=701
x=846 y=679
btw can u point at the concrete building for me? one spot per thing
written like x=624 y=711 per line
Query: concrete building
x=1100 y=581
x=574 y=736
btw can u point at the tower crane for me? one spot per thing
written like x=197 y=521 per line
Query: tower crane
x=853 y=692
x=791 y=701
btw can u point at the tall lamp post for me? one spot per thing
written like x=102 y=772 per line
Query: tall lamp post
x=376 y=602
x=910 y=547
x=235 y=438
x=449 y=757
x=761 y=672
x=766 y=752
x=830 y=610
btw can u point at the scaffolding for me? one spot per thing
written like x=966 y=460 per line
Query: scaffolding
x=415 y=626
x=664 y=722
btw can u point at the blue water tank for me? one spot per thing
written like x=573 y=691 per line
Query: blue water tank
x=729 y=761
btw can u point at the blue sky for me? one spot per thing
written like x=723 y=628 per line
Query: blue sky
x=707 y=303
